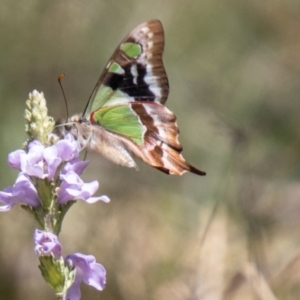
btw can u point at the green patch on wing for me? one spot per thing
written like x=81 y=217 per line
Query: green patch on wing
x=103 y=94
x=106 y=96
x=121 y=119
x=116 y=68
x=132 y=50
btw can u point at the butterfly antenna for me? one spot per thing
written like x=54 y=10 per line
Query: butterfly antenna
x=59 y=78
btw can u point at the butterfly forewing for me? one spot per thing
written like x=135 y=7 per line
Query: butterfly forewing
x=135 y=72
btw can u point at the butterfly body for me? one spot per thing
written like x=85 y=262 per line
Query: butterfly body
x=125 y=115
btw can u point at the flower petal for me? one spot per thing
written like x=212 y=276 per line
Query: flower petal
x=23 y=191
x=14 y=159
x=46 y=243
x=96 y=199
x=6 y=198
x=50 y=156
x=88 y=271
x=76 y=166
x=32 y=162
x=63 y=151
x=73 y=188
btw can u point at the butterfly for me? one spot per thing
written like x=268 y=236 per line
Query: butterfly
x=125 y=115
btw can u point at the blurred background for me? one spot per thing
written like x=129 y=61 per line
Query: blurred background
x=234 y=72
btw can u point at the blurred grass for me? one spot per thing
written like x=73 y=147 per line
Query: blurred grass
x=234 y=70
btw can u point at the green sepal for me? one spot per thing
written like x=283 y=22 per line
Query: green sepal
x=49 y=219
x=45 y=191
x=61 y=214
x=57 y=274
x=36 y=212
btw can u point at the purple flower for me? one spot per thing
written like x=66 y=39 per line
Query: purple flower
x=75 y=165
x=42 y=162
x=30 y=163
x=73 y=188
x=14 y=159
x=88 y=271
x=63 y=151
x=46 y=243
x=23 y=191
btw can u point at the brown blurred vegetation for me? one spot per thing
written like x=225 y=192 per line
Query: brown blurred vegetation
x=234 y=70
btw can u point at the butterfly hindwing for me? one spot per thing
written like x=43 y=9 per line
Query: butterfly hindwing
x=150 y=131
x=135 y=72
x=120 y=119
